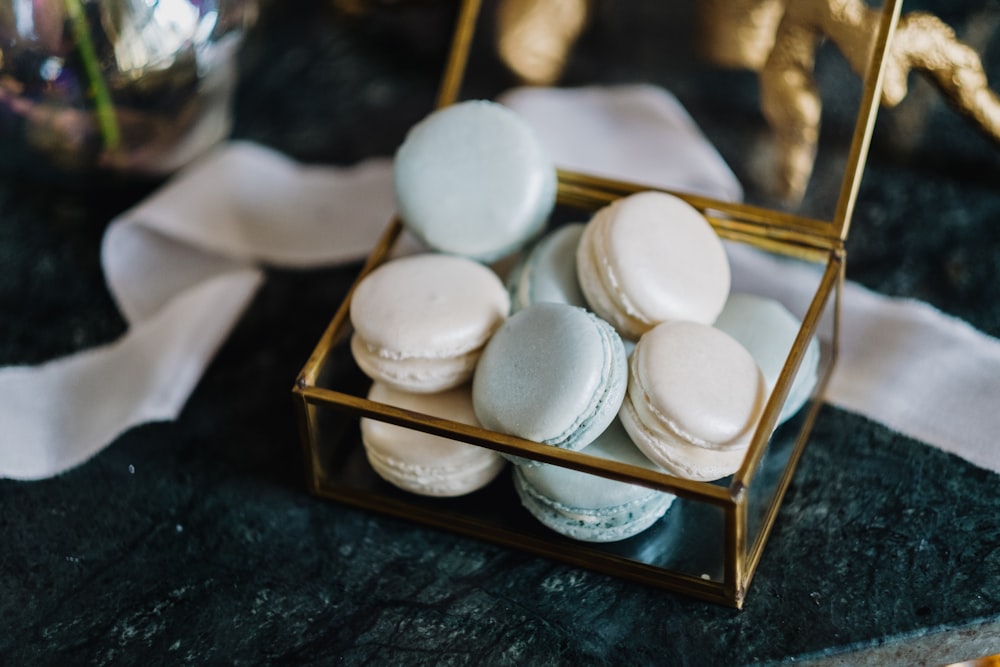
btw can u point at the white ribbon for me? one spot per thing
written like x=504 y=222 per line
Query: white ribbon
x=901 y=362
x=183 y=265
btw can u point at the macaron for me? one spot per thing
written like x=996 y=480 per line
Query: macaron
x=420 y=322
x=589 y=507
x=472 y=179
x=767 y=330
x=651 y=257
x=422 y=463
x=695 y=397
x=553 y=373
x=547 y=272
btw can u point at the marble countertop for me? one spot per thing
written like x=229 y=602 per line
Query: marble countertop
x=195 y=541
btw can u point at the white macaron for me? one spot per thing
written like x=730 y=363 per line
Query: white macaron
x=652 y=257
x=420 y=322
x=422 y=463
x=695 y=397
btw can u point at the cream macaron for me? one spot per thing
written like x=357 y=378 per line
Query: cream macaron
x=695 y=397
x=651 y=257
x=420 y=322
x=423 y=463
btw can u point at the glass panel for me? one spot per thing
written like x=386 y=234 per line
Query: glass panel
x=786 y=443
x=686 y=47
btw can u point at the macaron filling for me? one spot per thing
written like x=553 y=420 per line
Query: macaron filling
x=426 y=374
x=606 y=400
x=590 y=507
x=435 y=480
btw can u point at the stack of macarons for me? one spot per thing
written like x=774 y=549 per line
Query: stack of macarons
x=420 y=324
x=472 y=183
x=618 y=337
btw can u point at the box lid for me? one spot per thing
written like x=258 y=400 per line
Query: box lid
x=817 y=98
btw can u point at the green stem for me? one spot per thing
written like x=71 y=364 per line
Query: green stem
x=104 y=107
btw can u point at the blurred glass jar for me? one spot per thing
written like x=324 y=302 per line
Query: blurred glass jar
x=126 y=86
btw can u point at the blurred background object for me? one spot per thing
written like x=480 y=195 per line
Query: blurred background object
x=126 y=86
x=534 y=38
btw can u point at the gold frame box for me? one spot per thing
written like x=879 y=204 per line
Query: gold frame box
x=711 y=541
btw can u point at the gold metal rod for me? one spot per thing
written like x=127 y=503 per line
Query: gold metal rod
x=507 y=444
x=831 y=276
x=309 y=438
x=757 y=549
x=865 y=124
x=591 y=192
x=787 y=235
x=734 y=546
x=837 y=309
x=465 y=28
x=580 y=554
x=316 y=361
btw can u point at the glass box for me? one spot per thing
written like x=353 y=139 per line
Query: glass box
x=710 y=542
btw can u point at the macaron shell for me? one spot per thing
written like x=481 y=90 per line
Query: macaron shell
x=428 y=306
x=472 y=179
x=421 y=462
x=699 y=383
x=656 y=259
x=548 y=272
x=553 y=373
x=767 y=329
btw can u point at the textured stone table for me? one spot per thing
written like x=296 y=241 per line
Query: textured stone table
x=195 y=542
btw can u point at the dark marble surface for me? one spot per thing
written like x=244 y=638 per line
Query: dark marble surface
x=194 y=541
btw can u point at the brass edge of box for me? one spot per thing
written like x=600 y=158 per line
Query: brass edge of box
x=867 y=113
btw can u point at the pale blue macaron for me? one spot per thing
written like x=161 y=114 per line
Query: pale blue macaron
x=472 y=179
x=767 y=329
x=553 y=373
x=547 y=272
x=589 y=507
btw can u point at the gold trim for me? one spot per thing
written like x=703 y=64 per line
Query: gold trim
x=866 y=118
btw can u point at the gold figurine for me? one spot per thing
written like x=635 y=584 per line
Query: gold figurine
x=785 y=58
x=778 y=40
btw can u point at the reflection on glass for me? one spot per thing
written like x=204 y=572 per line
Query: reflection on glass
x=136 y=85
